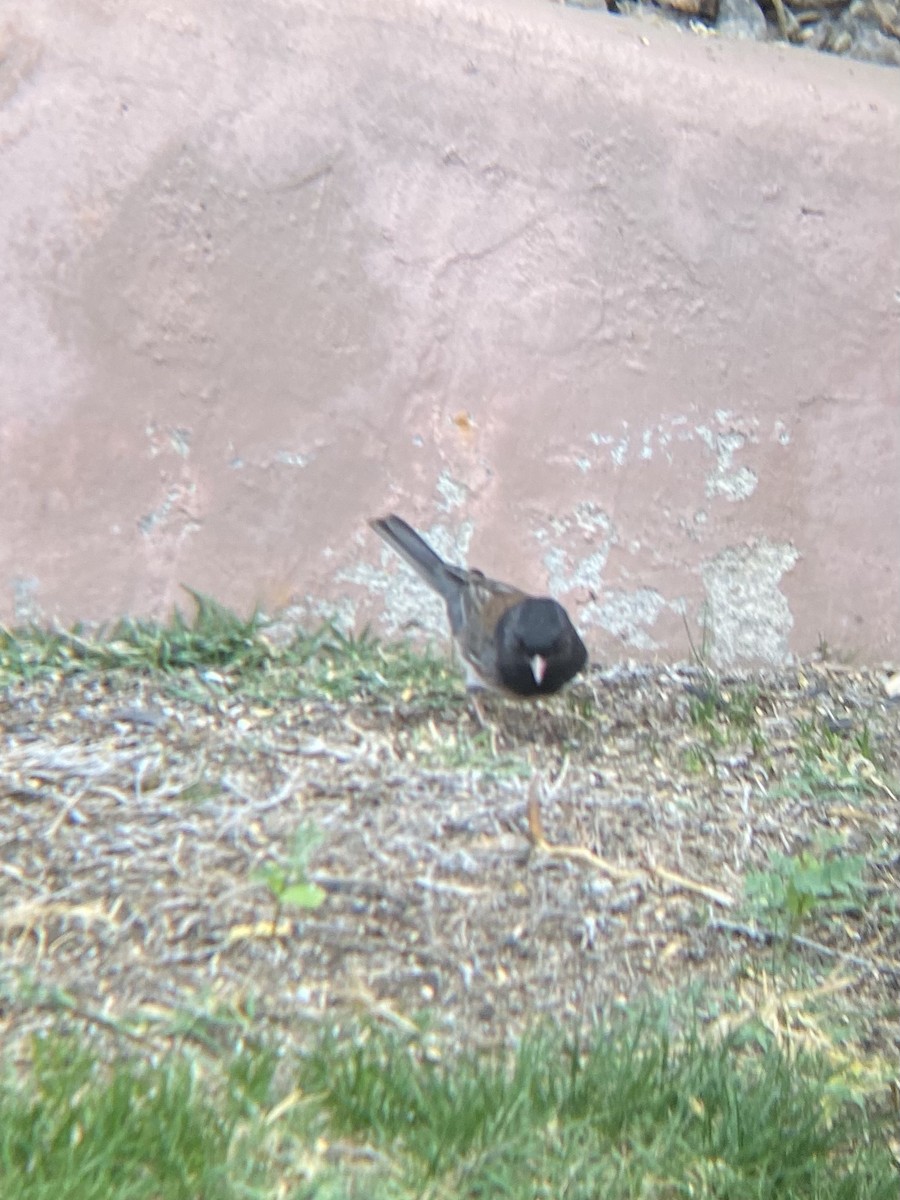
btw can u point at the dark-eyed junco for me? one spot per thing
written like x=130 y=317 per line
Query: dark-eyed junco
x=509 y=641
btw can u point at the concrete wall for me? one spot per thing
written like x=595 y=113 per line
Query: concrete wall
x=607 y=308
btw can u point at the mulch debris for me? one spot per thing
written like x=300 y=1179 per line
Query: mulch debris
x=594 y=855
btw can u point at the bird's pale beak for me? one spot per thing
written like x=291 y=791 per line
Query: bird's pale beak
x=538 y=669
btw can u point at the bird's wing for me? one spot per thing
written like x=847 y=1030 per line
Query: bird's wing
x=480 y=606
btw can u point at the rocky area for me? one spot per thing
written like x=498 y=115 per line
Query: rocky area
x=868 y=30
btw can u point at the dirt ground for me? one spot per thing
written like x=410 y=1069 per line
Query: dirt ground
x=595 y=854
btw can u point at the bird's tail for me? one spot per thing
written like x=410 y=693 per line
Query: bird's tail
x=444 y=578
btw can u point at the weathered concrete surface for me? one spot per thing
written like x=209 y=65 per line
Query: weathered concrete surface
x=610 y=309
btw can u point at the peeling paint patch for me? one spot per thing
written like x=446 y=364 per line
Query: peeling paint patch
x=733 y=484
x=177 y=438
x=339 y=613
x=176 y=497
x=25 y=599
x=293 y=458
x=408 y=603
x=736 y=485
x=453 y=494
x=724 y=436
x=618 y=447
x=626 y=615
x=595 y=526
x=720 y=437
x=281 y=458
x=748 y=616
x=587 y=516
x=587 y=572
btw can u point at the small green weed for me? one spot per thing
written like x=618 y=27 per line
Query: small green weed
x=796 y=888
x=288 y=880
x=699 y=759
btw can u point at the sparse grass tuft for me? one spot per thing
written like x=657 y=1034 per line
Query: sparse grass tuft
x=724 y=717
x=724 y=713
x=834 y=761
x=288 y=878
x=453 y=747
x=343 y=668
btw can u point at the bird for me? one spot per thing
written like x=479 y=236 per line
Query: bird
x=510 y=642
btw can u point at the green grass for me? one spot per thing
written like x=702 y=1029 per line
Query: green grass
x=339 y=667
x=638 y=1113
x=635 y=1112
x=218 y=649
x=215 y=637
x=78 y=1130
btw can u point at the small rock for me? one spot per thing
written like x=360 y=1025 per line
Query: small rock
x=888 y=14
x=841 y=42
x=741 y=19
x=708 y=9
x=892 y=686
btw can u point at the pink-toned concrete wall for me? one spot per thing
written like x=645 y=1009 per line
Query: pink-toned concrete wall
x=606 y=308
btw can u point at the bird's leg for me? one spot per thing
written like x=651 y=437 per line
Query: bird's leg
x=477 y=709
x=473 y=687
x=483 y=722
